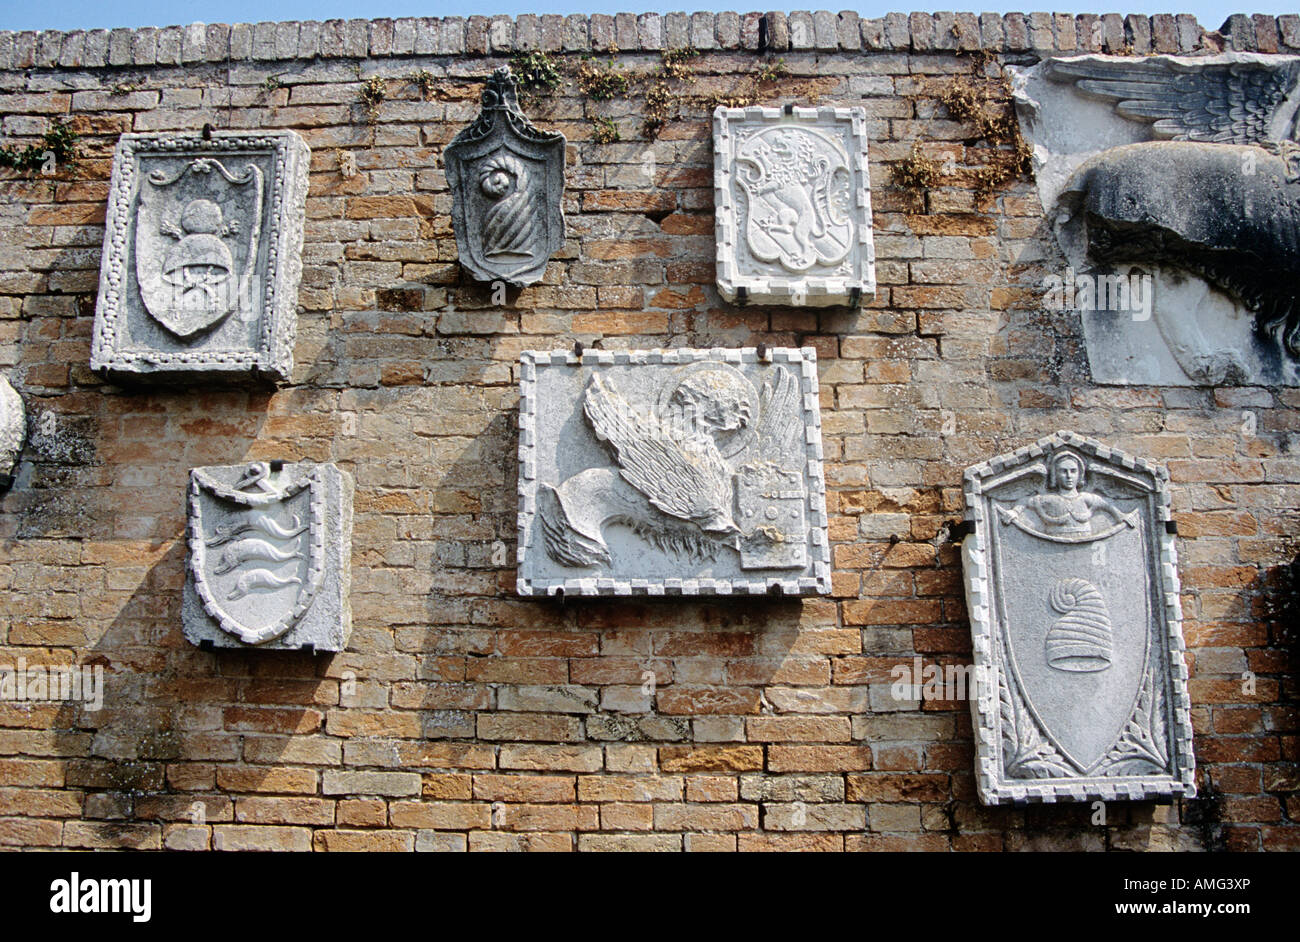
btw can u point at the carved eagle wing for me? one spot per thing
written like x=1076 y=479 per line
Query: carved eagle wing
x=1231 y=103
x=781 y=428
x=685 y=479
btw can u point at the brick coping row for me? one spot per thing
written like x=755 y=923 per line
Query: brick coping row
x=648 y=32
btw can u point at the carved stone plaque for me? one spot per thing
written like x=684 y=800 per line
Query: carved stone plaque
x=507 y=181
x=671 y=472
x=270 y=550
x=1173 y=185
x=13 y=432
x=202 y=256
x=793 y=205
x=1072 y=586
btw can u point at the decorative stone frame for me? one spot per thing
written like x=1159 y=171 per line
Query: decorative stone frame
x=1166 y=630
x=816 y=577
x=850 y=125
x=282 y=228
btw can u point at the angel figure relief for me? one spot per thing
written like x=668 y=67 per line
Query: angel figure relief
x=1063 y=513
x=711 y=467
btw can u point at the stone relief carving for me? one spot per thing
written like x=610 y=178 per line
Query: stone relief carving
x=201 y=259
x=13 y=432
x=671 y=472
x=793 y=205
x=1072 y=587
x=269 y=556
x=507 y=182
x=1187 y=171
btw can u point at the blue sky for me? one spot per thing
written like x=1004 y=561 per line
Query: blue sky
x=94 y=14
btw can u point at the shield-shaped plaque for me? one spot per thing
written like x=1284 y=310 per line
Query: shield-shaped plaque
x=256 y=550
x=507 y=180
x=1072 y=587
x=196 y=235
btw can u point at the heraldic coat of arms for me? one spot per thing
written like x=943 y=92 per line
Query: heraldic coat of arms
x=1072 y=586
x=269 y=556
x=202 y=255
x=507 y=180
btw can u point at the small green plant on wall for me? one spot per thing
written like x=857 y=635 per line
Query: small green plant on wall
x=773 y=70
x=424 y=81
x=917 y=173
x=373 y=91
x=536 y=73
x=601 y=82
x=57 y=148
x=984 y=101
x=606 y=131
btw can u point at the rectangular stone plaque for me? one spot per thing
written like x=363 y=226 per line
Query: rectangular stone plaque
x=671 y=472
x=1072 y=586
x=202 y=256
x=270 y=556
x=792 y=197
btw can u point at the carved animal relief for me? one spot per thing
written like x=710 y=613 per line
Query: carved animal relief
x=269 y=556
x=1186 y=172
x=671 y=472
x=1072 y=587
x=793 y=205
x=201 y=258
x=507 y=180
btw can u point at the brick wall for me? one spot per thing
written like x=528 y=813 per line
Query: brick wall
x=462 y=716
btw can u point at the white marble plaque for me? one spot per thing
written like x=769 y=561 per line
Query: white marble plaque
x=270 y=555
x=671 y=472
x=793 y=206
x=1072 y=587
x=202 y=256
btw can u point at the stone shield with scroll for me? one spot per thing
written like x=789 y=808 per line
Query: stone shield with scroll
x=1072 y=586
x=671 y=472
x=201 y=261
x=1173 y=187
x=793 y=206
x=269 y=556
x=507 y=181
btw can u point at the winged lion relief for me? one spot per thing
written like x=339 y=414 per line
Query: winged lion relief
x=693 y=469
